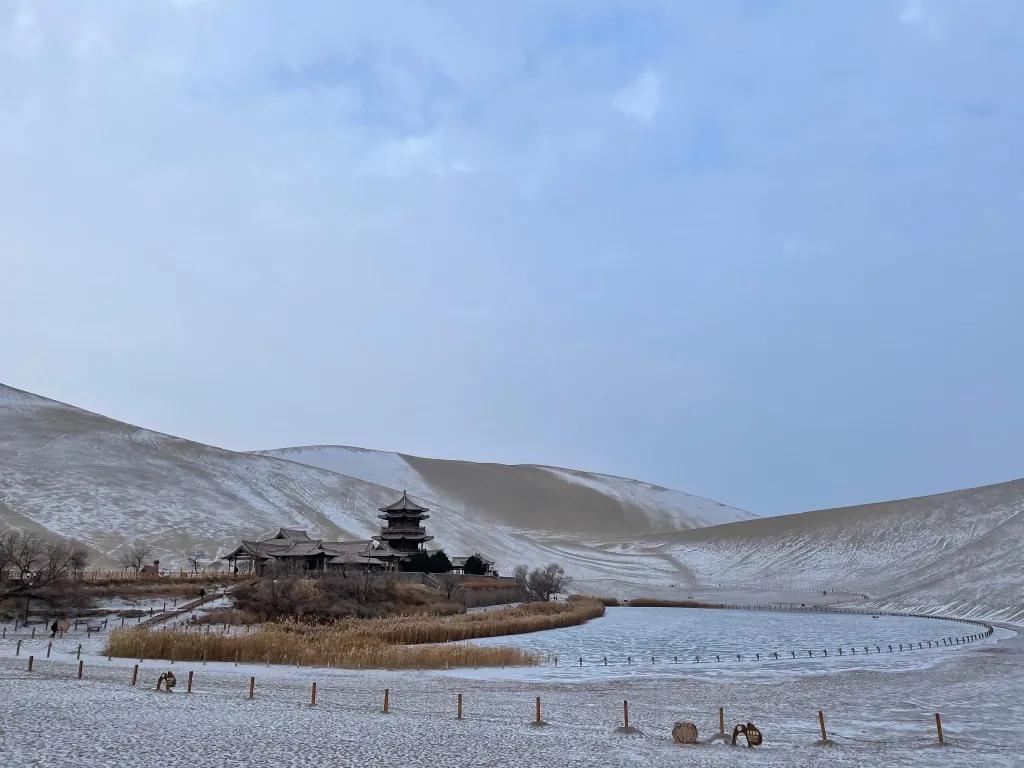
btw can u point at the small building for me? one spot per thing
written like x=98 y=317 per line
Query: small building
x=459 y=564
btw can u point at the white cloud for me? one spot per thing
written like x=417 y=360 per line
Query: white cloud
x=915 y=14
x=641 y=98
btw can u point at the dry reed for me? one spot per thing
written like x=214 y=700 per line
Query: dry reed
x=645 y=602
x=401 y=642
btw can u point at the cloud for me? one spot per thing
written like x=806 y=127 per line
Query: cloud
x=916 y=15
x=641 y=98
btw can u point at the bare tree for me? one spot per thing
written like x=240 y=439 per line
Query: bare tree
x=195 y=557
x=542 y=583
x=34 y=567
x=135 y=556
x=451 y=584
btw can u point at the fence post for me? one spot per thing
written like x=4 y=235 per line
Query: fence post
x=17 y=649
x=721 y=720
x=938 y=728
x=135 y=674
x=189 y=689
x=537 y=720
x=80 y=663
x=821 y=725
x=625 y=714
x=387 y=700
x=252 y=687
x=458 y=707
x=312 y=694
x=30 y=660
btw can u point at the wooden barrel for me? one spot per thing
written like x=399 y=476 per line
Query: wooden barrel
x=684 y=733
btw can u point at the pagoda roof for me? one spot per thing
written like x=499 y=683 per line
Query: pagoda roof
x=292 y=534
x=404 y=504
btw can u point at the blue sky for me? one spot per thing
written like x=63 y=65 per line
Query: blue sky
x=767 y=252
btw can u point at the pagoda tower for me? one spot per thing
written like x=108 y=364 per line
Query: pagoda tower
x=402 y=529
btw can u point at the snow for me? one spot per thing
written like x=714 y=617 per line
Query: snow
x=51 y=718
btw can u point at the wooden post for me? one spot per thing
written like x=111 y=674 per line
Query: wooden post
x=135 y=674
x=189 y=689
x=80 y=663
x=537 y=719
x=721 y=720
x=30 y=660
x=17 y=649
x=33 y=633
x=387 y=700
x=236 y=658
x=821 y=725
x=938 y=728
x=252 y=687
x=312 y=694
x=49 y=647
x=625 y=713
x=78 y=653
x=458 y=707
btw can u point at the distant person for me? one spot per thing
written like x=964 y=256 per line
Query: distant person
x=53 y=628
x=202 y=593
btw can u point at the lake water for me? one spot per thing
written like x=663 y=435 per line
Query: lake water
x=669 y=640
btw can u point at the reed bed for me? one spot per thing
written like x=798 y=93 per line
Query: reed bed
x=400 y=642
x=645 y=602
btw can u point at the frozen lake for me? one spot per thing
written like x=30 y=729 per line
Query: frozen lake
x=675 y=638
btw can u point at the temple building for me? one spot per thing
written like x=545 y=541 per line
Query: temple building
x=402 y=529
x=295 y=548
x=401 y=535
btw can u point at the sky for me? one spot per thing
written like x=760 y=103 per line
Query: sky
x=766 y=252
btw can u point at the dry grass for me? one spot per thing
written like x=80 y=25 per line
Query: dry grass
x=645 y=602
x=151 y=588
x=401 y=642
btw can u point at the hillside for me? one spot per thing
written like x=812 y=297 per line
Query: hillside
x=958 y=551
x=106 y=483
x=527 y=496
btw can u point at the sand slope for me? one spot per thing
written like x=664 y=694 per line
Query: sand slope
x=106 y=483
x=959 y=550
x=527 y=496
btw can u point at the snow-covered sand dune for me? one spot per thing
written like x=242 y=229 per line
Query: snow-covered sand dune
x=528 y=496
x=959 y=552
x=105 y=483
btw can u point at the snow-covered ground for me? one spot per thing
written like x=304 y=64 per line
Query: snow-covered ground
x=878 y=717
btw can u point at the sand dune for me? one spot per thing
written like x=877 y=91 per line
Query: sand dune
x=527 y=496
x=105 y=483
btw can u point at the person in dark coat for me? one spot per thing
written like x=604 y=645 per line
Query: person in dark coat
x=53 y=628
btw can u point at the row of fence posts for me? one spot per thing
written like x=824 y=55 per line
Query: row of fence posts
x=946 y=641
x=538 y=720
